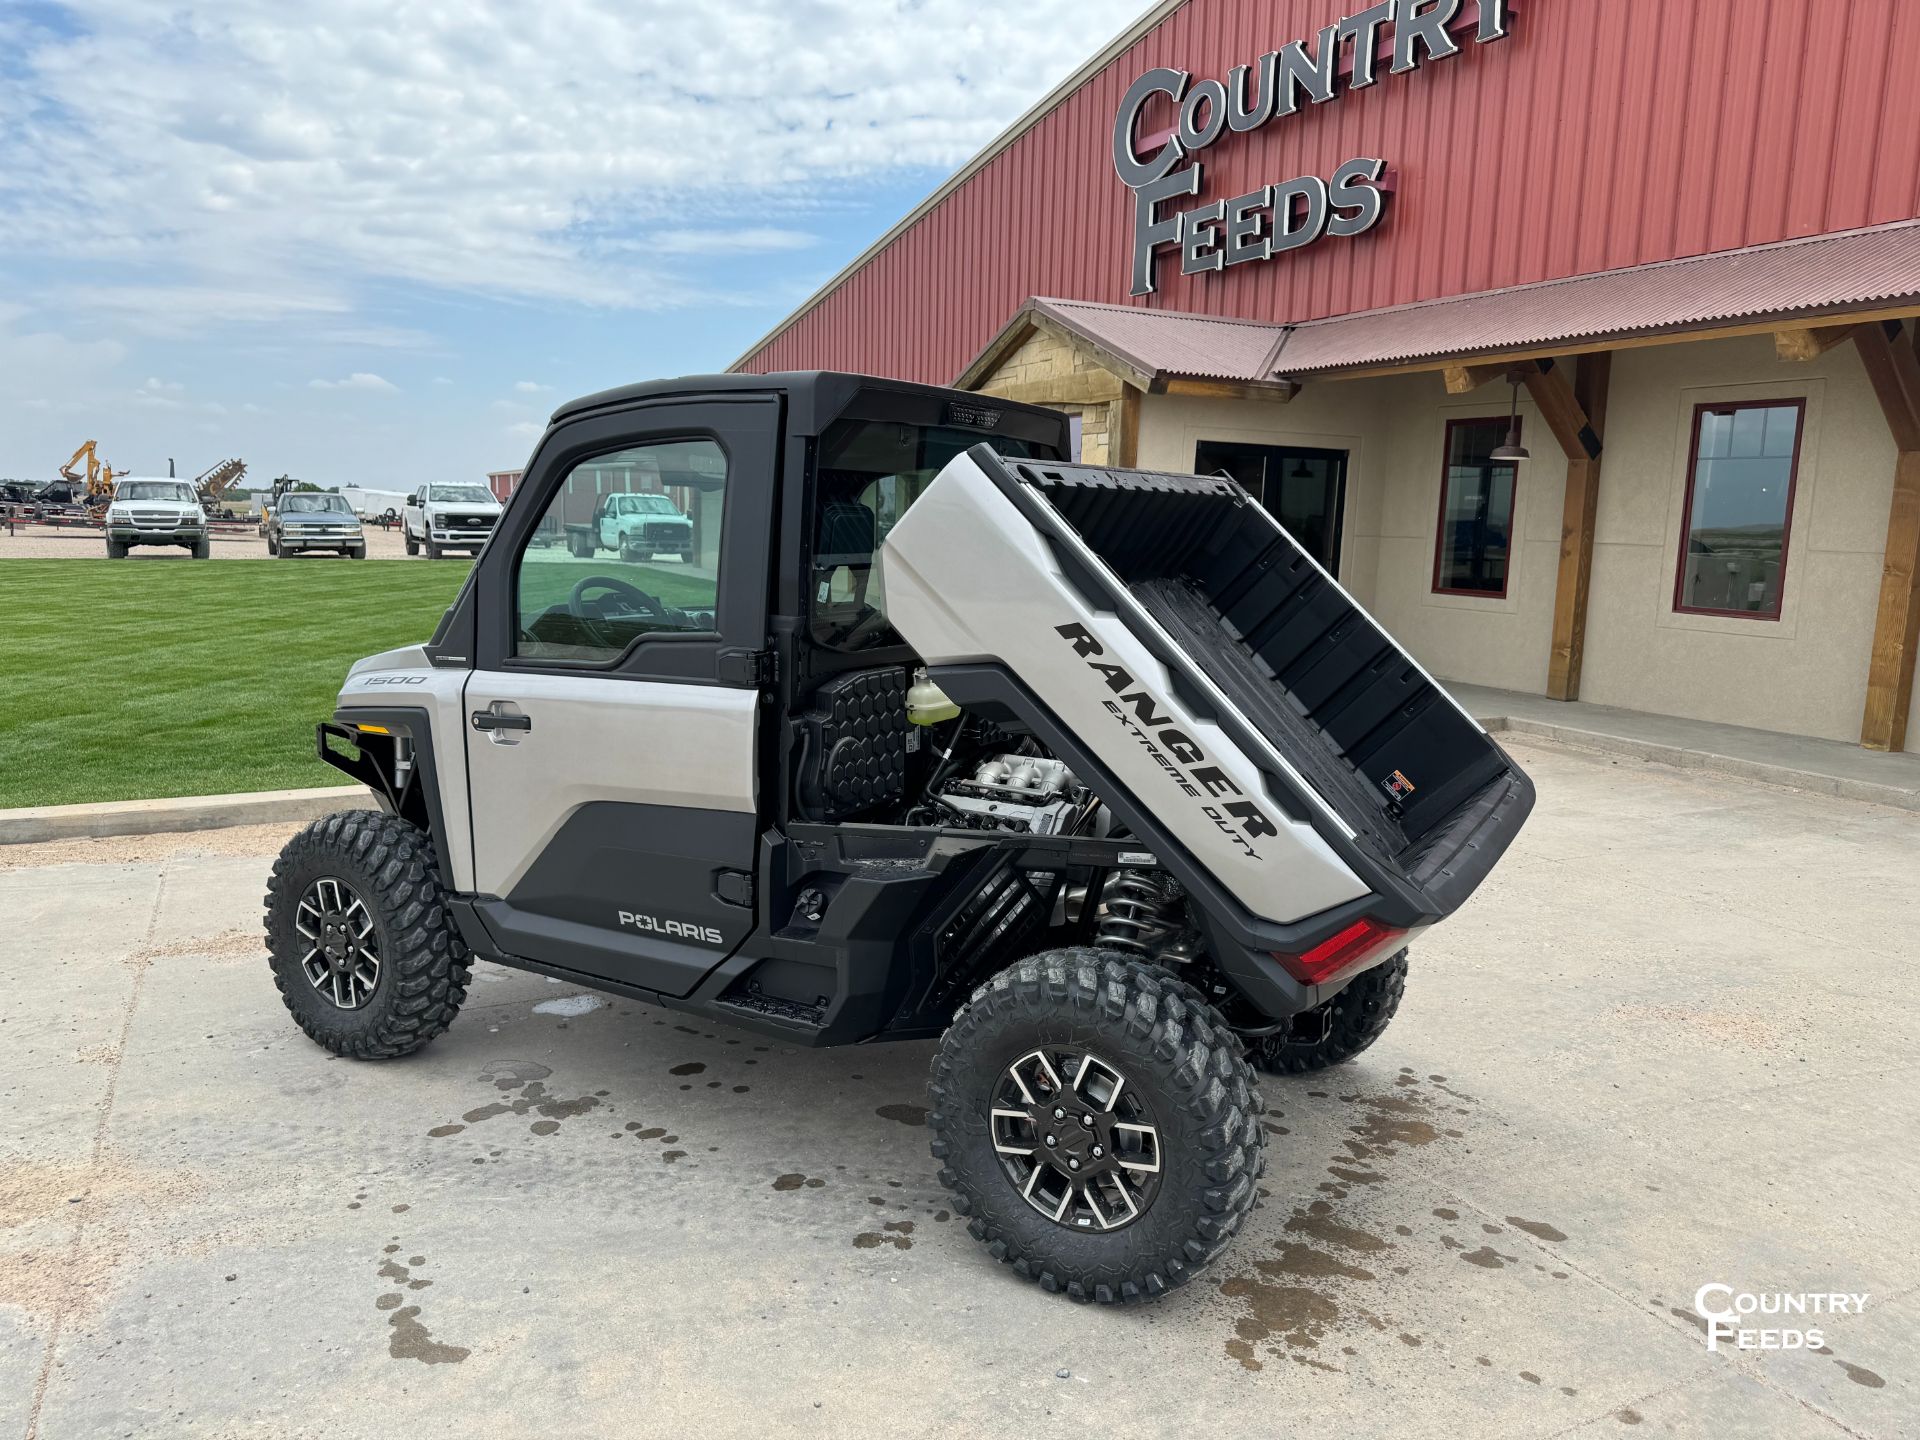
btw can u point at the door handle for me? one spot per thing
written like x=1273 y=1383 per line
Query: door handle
x=494 y=720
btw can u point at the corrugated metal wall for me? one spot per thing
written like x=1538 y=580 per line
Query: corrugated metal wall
x=1603 y=133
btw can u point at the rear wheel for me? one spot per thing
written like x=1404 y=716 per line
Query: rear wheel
x=1096 y=1121
x=358 y=936
x=1336 y=1031
x=413 y=545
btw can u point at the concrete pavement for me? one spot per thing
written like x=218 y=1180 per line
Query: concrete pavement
x=1669 y=1044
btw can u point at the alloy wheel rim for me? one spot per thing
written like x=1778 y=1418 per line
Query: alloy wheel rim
x=342 y=961
x=1076 y=1139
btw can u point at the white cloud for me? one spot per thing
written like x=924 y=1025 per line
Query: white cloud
x=530 y=387
x=359 y=380
x=525 y=430
x=714 y=238
x=272 y=162
x=442 y=380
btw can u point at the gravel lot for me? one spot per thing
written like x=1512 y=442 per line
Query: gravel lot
x=1670 y=1043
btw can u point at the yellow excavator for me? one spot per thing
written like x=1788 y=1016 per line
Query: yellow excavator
x=98 y=479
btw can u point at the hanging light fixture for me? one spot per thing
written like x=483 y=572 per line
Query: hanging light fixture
x=1512 y=452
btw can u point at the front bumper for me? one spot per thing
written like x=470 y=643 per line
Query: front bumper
x=157 y=535
x=459 y=537
x=334 y=540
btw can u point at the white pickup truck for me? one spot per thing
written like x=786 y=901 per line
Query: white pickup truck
x=638 y=525
x=155 y=512
x=439 y=518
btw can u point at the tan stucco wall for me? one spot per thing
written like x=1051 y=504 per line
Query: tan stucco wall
x=1805 y=674
x=1394 y=431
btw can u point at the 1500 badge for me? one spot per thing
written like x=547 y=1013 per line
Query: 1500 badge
x=1172 y=747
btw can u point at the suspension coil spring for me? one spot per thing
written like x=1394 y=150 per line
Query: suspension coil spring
x=1140 y=906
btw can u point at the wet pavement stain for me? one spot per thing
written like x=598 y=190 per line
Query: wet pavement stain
x=1317 y=1222
x=1860 y=1375
x=1310 y=1264
x=440 y=1132
x=692 y=1067
x=413 y=1341
x=796 y=1182
x=1627 y=1415
x=1539 y=1229
x=533 y=1099
x=1296 y=1316
x=905 y=1114
x=408 y=1338
x=894 y=1232
x=1487 y=1258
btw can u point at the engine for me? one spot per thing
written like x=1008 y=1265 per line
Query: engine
x=1029 y=794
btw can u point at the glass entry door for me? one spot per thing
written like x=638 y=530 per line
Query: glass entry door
x=1305 y=490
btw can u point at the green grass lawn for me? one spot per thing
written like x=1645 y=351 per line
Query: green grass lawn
x=135 y=679
x=132 y=680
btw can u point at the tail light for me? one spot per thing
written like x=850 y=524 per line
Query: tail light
x=1360 y=941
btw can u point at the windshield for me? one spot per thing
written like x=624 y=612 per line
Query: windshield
x=647 y=505
x=460 y=495
x=870 y=472
x=314 y=505
x=176 y=490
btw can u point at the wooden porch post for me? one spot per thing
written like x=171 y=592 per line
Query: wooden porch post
x=1894 y=369
x=1576 y=414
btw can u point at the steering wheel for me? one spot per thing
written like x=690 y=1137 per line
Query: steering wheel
x=632 y=594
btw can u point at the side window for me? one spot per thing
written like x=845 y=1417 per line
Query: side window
x=1739 y=508
x=1475 y=539
x=628 y=546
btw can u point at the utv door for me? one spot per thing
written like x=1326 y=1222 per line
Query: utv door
x=611 y=758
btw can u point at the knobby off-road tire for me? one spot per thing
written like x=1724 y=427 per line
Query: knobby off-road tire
x=422 y=969
x=1190 y=1078
x=1352 y=1021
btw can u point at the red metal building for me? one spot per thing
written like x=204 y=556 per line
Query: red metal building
x=1705 y=211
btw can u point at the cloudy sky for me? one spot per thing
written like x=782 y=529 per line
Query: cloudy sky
x=365 y=240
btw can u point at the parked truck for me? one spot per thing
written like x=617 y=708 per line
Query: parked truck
x=1092 y=774
x=634 y=525
x=439 y=518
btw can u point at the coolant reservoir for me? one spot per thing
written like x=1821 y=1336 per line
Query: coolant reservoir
x=927 y=703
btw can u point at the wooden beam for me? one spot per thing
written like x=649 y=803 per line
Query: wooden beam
x=1084 y=387
x=1896 y=628
x=1810 y=342
x=1893 y=368
x=1123 y=442
x=1579 y=512
x=1895 y=375
x=1465 y=379
x=1560 y=408
x=1274 y=392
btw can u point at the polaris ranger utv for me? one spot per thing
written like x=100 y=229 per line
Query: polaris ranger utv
x=1093 y=774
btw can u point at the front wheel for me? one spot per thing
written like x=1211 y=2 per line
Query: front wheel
x=202 y=549
x=1337 y=1030
x=1095 y=1119
x=116 y=550
x=433 y=550
x=361 y=945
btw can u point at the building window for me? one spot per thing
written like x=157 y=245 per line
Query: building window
x=1474 y=545
x=1733 y=543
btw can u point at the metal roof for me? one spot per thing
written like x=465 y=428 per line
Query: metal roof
x=1799 y=279
x=1162 y=342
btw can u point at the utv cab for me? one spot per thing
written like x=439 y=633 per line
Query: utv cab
x=1093 y=774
